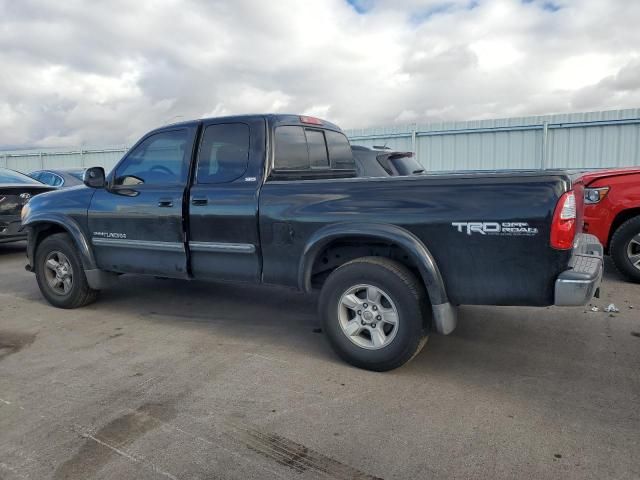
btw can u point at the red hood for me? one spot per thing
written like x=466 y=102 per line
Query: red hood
x=590 y=177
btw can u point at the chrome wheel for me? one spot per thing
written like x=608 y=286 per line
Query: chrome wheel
x=58 y=273
x=368 y=316
x=633 y=251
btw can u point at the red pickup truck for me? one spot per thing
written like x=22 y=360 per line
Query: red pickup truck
x=612 y=213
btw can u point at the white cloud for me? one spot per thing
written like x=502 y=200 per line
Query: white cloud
x=579 y=71
x=495 y=54
x=104 y=72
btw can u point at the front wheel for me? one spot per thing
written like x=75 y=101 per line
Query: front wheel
x=373 y=311
x=60 y=274
x=625 y=249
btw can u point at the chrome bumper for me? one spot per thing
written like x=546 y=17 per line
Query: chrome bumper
x=580 y=283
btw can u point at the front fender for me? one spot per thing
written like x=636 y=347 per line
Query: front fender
x=35 y=223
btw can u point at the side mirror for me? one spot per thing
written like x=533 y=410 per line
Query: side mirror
x=94 y=177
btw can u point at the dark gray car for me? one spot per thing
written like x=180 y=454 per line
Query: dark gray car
x=372 y=162
x=15 y=191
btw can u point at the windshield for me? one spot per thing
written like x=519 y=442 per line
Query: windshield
x=9 y=176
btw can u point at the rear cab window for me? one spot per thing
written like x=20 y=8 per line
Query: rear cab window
x=308 y=152
x=339 y=150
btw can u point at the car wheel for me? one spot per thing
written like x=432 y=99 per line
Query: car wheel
x=375 y=313
x=625 y=249
x=60 y=274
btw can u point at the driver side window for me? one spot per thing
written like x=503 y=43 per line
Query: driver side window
x=158 y=160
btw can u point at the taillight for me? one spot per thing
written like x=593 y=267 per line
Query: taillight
x=563 y=227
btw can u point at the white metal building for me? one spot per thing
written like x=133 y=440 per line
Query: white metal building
x=575 y=141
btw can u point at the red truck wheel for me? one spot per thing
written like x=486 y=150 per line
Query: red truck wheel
x=625 y=249
x=373 y=312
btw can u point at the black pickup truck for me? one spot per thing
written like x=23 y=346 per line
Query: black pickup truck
x=275 y=199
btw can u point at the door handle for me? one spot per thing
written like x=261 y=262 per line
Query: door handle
x=165 y=202
x=199 y=201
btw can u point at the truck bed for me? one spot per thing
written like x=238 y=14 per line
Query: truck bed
x=477 y=268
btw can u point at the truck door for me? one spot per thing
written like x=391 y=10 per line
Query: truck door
x=136 y=223
x=223 y=200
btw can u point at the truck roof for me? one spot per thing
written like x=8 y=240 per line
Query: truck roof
x=274 y=119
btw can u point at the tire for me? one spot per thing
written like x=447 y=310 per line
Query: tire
x=377 y=344
x=625 y=249
x=73 y=291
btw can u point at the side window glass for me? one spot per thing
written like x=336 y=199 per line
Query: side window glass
x=47 y=178
x=158 y=160
x=318 y=157
x=224 y=153
x=339 y=150
x=57 y=180
x=291 y=148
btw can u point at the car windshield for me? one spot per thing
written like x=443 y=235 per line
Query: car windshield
x=9 y=176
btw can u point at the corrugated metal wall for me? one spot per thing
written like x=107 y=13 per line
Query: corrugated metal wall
x=30 y=160
x=574 y=140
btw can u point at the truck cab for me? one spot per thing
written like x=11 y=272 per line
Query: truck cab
x=197 y=201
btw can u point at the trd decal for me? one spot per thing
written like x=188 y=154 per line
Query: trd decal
x=496 y=228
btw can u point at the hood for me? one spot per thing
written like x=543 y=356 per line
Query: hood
x=588 y=178
x=27 y=186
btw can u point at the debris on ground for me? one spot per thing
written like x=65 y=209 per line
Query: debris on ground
x=612 y=308
x=594 y=309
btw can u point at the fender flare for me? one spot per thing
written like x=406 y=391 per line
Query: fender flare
x=418 y=252
x=444 y=314
x=34 y=225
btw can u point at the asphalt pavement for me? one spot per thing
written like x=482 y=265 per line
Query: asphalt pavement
x=190 y=380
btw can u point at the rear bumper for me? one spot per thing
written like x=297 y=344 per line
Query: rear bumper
x=580 y=283
x=10 y=229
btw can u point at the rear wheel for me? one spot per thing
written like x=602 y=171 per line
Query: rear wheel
x=373 y=311
x=60 y=274
x=625 y=249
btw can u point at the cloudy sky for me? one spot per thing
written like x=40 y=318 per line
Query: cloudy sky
x=103 y=72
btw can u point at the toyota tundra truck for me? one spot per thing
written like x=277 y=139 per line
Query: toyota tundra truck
x=275 y=199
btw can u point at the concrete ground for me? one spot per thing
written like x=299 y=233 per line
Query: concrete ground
x=168 y=379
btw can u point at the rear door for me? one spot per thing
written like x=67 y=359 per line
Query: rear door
x=223 y=201
x=136 y=224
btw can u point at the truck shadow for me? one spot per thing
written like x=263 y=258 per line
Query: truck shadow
x=13 y=248
x=249 y=313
